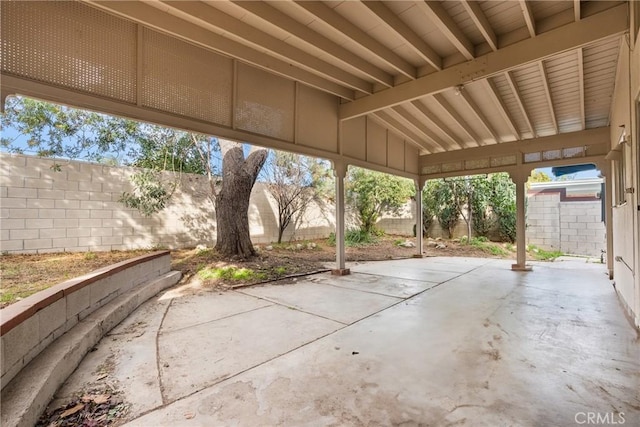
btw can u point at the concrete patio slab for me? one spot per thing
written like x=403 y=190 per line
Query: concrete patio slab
x=390 y=286
x=487 y=347
x=219 y=349
x=192 y=310
x=342 y=305
x=413 y=269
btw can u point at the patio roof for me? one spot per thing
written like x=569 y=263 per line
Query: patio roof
x=402 y=79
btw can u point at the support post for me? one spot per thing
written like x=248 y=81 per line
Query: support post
x=419 y=187
x=605 y=170
x=519 y=178
x=340 y=171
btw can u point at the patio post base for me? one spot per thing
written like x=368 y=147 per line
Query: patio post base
x=518 y=267
x=340 y=272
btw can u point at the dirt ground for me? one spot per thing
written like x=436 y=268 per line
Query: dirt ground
x=23 y=275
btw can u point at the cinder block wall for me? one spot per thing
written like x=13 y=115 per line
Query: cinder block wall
x=573 y=227
x=582 y=229
x=543 y=221
x=75 y=208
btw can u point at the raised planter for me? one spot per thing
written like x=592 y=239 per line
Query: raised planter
x=46 y=335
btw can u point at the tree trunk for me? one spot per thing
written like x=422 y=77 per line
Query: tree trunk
x=232 y=202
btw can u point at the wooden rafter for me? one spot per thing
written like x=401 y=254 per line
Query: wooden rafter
x=477 y=111
x=210 y=18
x=516 y=93
x=502 y=108
x=429 y=146
x=420 y=126
x=395 y=24
x=571 y=36
x=439 y=16
x=338 y=22
x=528 y=17
x=583 y=118
x=302 y=32
x=428 y=115
x=547 y=92
x=480 y=20
x=460 y=121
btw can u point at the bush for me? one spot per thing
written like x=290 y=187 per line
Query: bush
x=355 y=237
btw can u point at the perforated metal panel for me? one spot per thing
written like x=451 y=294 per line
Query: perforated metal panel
x=552 y=155
x=503 y=161
x=476 y=164
x=429 y=170
x=265 y=103
x=532 y=157
x=69 y=44
x=451 y=167
x=184 y=79
x=569 y=153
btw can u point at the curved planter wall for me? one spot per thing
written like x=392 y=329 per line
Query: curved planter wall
x=63 y=322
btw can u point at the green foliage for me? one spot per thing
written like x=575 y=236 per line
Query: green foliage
x=446 y=208
x=149 y=195
x=429 y=206
x=502 y=201
x=480 y=215
x=544 y=255
x=230 y=273
x=539 y=176
x=52 y=130
x=7 y=297
x=355 y=237
x=492 y=201
x=485 y=245
x=374 y=193
x=161 y=148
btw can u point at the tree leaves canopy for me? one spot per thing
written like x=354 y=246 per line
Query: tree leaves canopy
x=374 y=193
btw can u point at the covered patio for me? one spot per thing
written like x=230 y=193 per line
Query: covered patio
x=434 y=341
x=420 y=89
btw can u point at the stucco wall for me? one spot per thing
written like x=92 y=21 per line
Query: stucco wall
x=77 y=209
x=573 y=227
x=626 y=216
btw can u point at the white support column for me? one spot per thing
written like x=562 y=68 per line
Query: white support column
x=605 y=170
x=340 y=171
x=419 y=187
x=520 y=180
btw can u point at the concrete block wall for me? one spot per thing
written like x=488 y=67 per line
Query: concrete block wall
x=32 y=324
x=543 y=221
x=573 y=227
x=583 y=231
x=75 y=207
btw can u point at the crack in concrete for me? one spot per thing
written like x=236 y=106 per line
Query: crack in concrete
x=162 y=394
